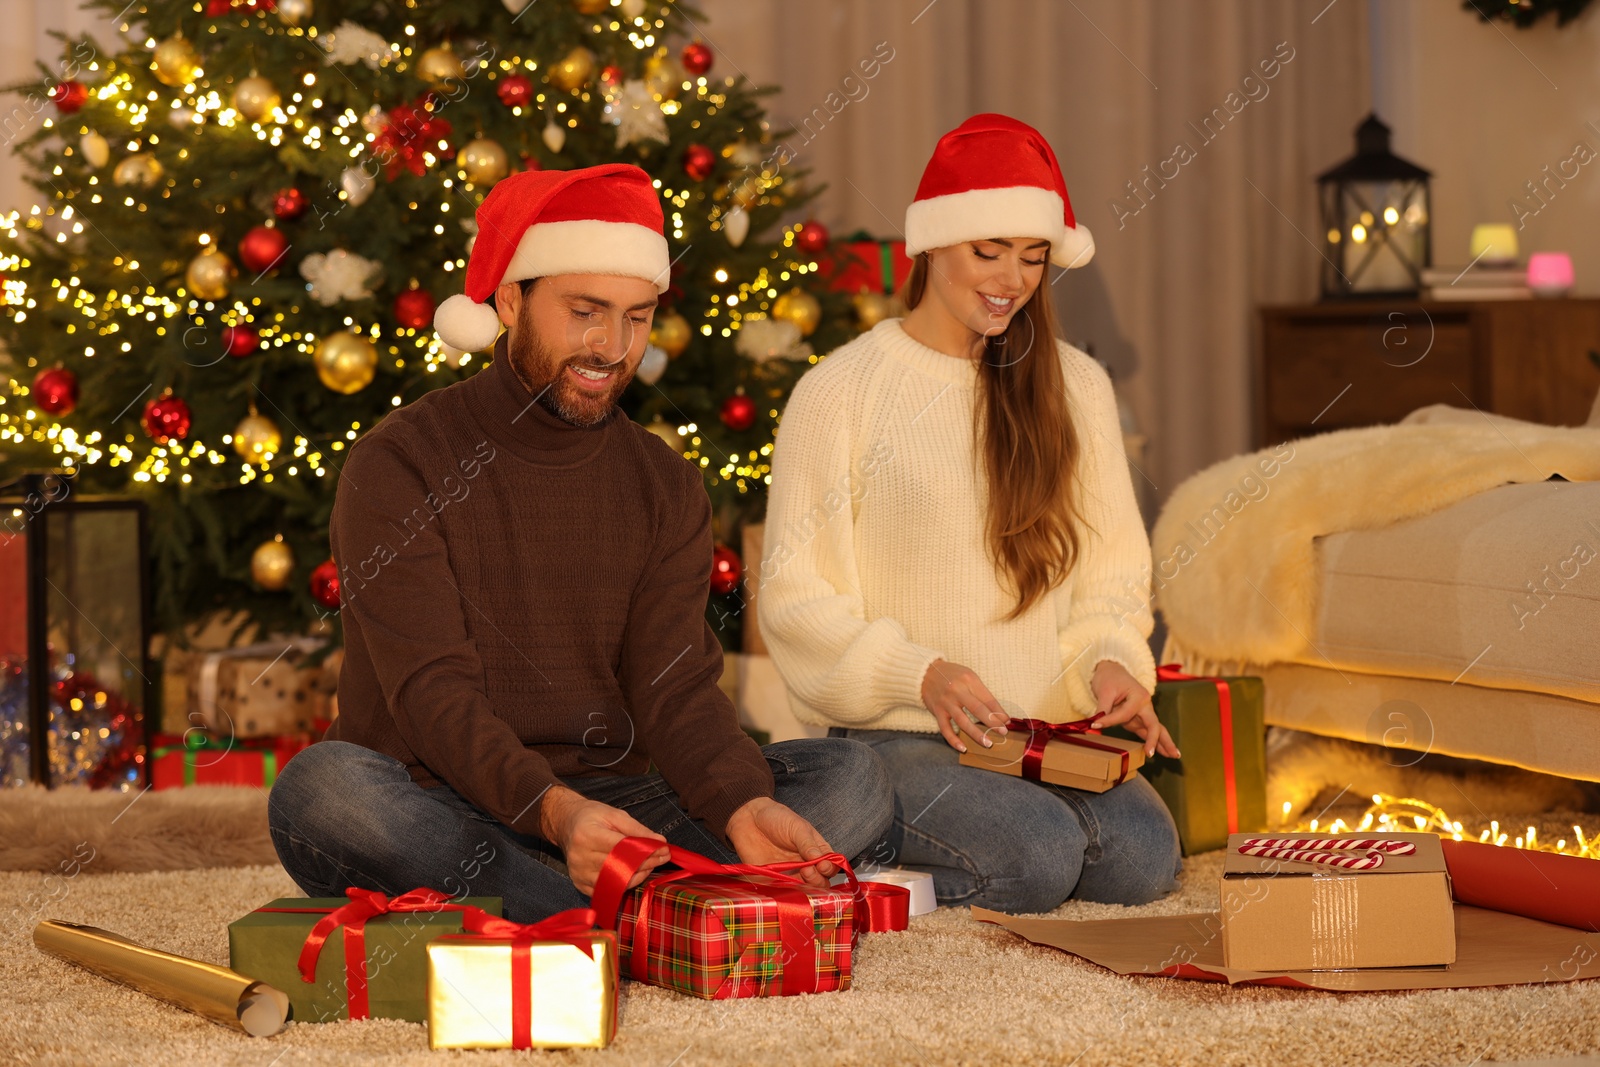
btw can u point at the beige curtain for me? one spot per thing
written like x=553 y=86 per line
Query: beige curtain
x=1168 y=301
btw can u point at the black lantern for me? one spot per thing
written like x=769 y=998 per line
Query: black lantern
x=1375 y=220
x=75 y=677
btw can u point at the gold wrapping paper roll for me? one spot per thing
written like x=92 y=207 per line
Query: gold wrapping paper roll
x=219 y=994
x=469 y=993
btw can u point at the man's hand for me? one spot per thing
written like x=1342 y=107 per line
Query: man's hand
x=1125 y=701
x=764 y=831
x=586 y=830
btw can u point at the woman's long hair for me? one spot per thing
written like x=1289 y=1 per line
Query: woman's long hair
x=1030 y=448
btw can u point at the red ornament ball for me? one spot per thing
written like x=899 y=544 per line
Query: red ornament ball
x=262 y=247
x=812 y=238
x=739 y=412
x=166 y=418
x=289 y=204
x=414 y=308
x=325 y=584
x=698 y=162
x=696 y=57
x=55 y=391
x=69 y=96
x=515 y=90
x=240 y=341
x=726 y=570
x=612 y=75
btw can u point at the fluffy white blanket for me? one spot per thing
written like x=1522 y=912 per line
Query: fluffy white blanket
x=1234 y=549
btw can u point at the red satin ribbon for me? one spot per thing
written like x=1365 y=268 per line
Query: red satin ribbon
x=576 y=927
x=1041 y=733
x=1172 y=672
x=796 y=919
x=364 y=904
x=888 y=907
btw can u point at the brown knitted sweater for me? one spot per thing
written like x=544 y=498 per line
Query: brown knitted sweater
x=525 y=599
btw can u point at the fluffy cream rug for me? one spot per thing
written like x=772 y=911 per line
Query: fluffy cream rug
x=949 y=991
x=1257 y=516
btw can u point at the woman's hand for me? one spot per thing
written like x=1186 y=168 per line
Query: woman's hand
x=1126 y=702
x=955 y=694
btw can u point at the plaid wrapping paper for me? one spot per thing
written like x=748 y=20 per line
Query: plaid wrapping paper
x=716 y=936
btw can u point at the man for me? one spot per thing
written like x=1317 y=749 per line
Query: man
x=524 y=573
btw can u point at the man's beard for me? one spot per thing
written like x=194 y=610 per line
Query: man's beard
x=544 y=373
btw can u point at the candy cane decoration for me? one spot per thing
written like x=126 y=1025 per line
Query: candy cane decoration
x=1333 y=851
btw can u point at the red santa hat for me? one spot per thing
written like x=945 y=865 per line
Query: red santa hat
x=597 y=220
x=993 y=176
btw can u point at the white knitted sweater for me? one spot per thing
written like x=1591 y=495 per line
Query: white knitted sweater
x=875 y=560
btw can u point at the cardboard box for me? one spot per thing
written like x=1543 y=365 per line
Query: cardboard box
x=1288 y=915
x=1065 y=762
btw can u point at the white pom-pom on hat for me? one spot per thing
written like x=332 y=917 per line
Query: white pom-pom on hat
x=463 y=323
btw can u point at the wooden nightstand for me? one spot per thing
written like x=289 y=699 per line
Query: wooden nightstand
x=1335 y=365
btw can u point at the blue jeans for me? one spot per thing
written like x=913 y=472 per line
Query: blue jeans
x=343 y=815
x=1017 y=846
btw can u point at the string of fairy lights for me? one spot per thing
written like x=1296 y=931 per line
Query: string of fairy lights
x=103 y=330
x=1411 y=815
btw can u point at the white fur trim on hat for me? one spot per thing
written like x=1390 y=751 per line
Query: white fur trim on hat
x=589 y=246
x=463 y=323
x=979 y=214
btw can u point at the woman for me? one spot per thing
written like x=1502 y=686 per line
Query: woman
x=952 y=539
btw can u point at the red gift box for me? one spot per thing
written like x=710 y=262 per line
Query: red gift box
x=198 y=759
x=721 y=931
x=862 y=264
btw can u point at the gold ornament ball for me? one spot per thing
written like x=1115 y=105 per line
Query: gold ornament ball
x=439 y=65
x=747 y=193
x=483 y=161
x=670 y=333
x=176 y=63
x=256 y=438
x=799 y=307
x=668 y=433
x=209 y=275
x=591 y=7
x=141 y=169
x=272 y=565
x=872 y=308
x=573 y=71
x=346 y=361
x=664 y=76
x=255 y=97
x=294 y=12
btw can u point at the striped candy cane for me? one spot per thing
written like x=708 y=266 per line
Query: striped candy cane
x=1333 y=851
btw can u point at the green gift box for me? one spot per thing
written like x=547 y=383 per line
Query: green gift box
x=1195 y=787
x=267 y=944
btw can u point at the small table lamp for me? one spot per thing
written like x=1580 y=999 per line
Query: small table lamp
x=1550 y=273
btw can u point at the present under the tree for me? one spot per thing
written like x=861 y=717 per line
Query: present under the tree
x=1219 y=786
x=550 y=984
x=863 y=264
x=197 y=758
x=721 y=931
x=1069 y=753
x=349 y=958
x=260 y=690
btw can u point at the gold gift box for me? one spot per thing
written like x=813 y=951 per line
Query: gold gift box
x=574 y=996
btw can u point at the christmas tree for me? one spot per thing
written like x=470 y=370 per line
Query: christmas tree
x=246 y=218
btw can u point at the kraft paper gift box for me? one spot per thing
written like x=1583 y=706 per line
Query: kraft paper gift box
x=260 y=690
x=1059 y=753
x=551 y=984
x=378 y=957
x=1219 y=786
x=1291 y=915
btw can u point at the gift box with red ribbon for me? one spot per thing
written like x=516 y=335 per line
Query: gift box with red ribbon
x=1219 y=787
x=1072 y=754
x=356 y=958
x=721 y=931
x=501 y=984
x=197 y=758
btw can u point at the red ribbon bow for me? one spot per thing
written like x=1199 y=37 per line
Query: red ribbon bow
x=1173 y=672
x=796 y=920
x=1041 y=733
x=576 y=927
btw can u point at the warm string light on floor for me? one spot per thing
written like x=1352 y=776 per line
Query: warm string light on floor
x=1409 y=815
